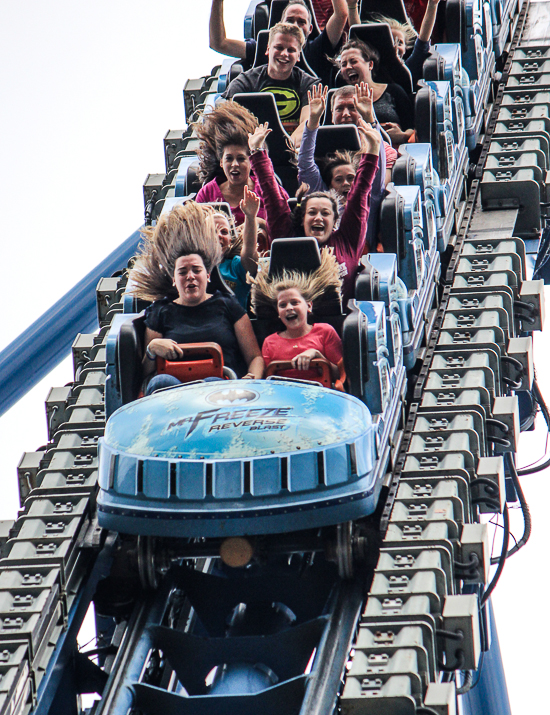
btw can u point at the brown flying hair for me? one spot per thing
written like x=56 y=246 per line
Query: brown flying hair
x=187 y=229
x=228 y=123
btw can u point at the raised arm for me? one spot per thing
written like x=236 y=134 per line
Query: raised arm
x=353 y=11
x=250 y=206
x=428 y=21
x=308 y=171
x=219 y=42
x=279 y=220
x=337 y=21
x=353 y=224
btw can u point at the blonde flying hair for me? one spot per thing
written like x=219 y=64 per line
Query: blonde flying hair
x=286 y=28
x=406 y=28
x=186 y=230
x=311 y=286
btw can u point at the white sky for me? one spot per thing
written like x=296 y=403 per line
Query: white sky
x=88 y=91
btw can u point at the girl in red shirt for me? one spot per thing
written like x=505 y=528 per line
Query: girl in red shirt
x=292 y=294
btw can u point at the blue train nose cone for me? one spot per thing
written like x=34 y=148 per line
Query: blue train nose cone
x=236 y=420
x=229 y=458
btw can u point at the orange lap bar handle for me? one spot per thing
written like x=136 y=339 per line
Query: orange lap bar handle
x=323 y=366
x=199 y=360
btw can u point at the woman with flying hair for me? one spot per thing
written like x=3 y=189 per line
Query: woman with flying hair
x=224 y=158
x=293 y=294
x=173 y=270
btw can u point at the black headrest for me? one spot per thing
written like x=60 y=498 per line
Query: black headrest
x=425 y=110
x=192 y=181
x=392 y=8
x=264 y=107
x=234 y=71
x=327 y=119
x=390 y=68
x=403 y=171
x=433 y=68
x=456 y=23
x=218 y=283
x=260 y=19
x=276 y=15
x=392 y=223
x=129 y=356
x=298 y=254
x=337 y=138
x=260 y=58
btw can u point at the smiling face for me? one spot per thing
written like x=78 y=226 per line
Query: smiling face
x=342 y=179
x=235 y=163
x=399 y=42
x=319 y=219
x=293 y=309
x=223 y=231
x=345 y=111
x=190 y=279
x=283 y=53
x=298 y=15
x=354 y=68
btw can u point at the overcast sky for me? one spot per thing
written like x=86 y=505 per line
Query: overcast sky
x=88 y=91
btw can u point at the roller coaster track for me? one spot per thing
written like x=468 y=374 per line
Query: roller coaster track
x=389 y=619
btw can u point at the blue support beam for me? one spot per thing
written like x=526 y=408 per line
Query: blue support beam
x=490 y=695
x=41 y=347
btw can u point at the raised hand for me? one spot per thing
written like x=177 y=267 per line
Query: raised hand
x=364 y=102
x=257 y=140
x=250 y=203
x=317 y=98
x=370 y=139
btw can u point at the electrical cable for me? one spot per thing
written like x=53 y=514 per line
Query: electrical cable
x=467 y=684
x=458 y=665
x=546 y=414
x=502 y=558
x=524 y=508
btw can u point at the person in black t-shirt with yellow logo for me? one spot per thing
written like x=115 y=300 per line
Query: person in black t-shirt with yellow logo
x=288 y=83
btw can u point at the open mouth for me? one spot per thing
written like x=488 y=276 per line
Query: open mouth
x=351 y=76
x=292 y=317
x=318 y=228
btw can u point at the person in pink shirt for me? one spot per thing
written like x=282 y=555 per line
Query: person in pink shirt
x=299 y=343
x=318 y=212
x=224 y=158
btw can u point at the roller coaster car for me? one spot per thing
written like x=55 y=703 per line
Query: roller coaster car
x=255 y=457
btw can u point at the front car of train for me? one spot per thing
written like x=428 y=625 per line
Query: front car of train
x=237 y=457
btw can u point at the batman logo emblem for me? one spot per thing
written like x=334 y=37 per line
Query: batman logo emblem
x=232 y=396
